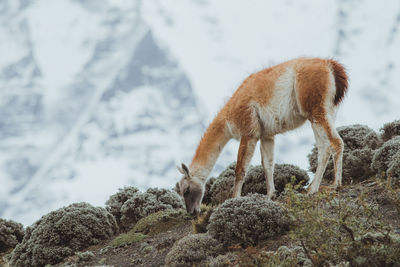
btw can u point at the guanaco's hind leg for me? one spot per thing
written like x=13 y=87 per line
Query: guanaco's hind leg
x=328 y=141
x=246 y=151
x=324 y=152
x=267 y=159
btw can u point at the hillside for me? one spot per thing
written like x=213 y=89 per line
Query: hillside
x=102 y=94
x=356 y=225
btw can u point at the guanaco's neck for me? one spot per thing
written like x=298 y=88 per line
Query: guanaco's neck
x=211 y=145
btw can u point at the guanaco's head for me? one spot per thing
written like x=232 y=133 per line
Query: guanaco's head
x=191 y=190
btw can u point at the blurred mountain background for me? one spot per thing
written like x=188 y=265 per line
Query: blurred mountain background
x=97 y=95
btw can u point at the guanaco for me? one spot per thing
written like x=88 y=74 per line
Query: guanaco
x=272 y=101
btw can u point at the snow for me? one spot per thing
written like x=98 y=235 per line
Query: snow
x=80 y=119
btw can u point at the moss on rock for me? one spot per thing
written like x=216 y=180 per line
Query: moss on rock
x=193 y=250
x=127 y=239
x=143 y=204
x=248 y=220
x=161 y=221
x=61 y=233
x=11 y=233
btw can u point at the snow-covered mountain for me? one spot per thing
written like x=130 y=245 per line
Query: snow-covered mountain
x=96 y=95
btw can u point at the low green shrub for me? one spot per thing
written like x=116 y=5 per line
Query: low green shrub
x=128 y=238
x=193 y=250
x=115 y=202
x=207 y=198
x=255 y=181
x=143 y=204
x=63 y=232
x=386 y=159
x=11 y=233
x=248 y=220
x=222 y=188
x=331 y=230
x=224 y=260
x=390 y=130
x=161 y=221
x=360 y=142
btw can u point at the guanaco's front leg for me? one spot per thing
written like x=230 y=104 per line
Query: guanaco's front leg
x=246 y=151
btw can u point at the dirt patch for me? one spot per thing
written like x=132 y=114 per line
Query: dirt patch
x=150 y=251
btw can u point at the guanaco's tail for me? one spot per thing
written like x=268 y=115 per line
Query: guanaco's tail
x=341 y=81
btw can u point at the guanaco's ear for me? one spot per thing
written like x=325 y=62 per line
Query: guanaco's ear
x=185 y=169
x=180 y=169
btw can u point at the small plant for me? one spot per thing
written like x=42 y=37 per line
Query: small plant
x=331 y=229
x=284 y=256
x=248 y=220
x=11 y=233
x=390 y=130
x=161 y=221
x=115 y=202
x=255 y=181
x=222 y=188
x=360 y=143
x=207 y=198
x=200 y=224
x=387 y=157
x=224 y=260
x=193 y=250
x=84 y=256
x=128 y=238
x=63 y=232
x=143 y=204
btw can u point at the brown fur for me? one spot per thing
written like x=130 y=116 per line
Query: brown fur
x=341 y=81
x=241 y=117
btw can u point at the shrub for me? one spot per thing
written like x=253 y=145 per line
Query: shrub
x=62 y=232
x=287 y=256
x=143 y=204
x=11 y=233
x=207 y=191
x=359 y=144
x=255 y=181
x=193 y=250
x=199 y=225
x=390 y=130
x=386 y=157
x=394 y=168
x=374 y=249
x=224 y=260
x=284 y=257
x=222 y=188
x=331 y=230
x=84 y=256
x=248 y=220
x=115 y=202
